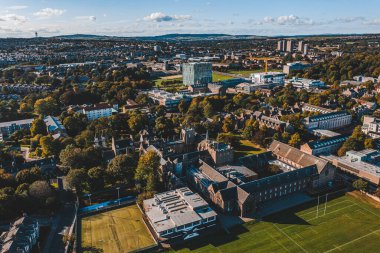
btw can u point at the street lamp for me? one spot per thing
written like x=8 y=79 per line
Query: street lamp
x=118 y=194
x=89 y=197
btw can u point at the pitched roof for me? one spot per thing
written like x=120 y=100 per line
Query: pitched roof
x=297 y=156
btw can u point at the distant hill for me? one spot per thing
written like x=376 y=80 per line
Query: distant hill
x=166 y=37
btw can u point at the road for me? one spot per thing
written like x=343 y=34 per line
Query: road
x=61 y=221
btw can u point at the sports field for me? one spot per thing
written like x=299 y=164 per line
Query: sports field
x=348 y=225
x=118 y=231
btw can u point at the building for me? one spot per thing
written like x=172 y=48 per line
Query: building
x=21 y=236
x=273 y=123
x=220 y=152
x=289 y=46
x=197 y=73
x=167 y=99
x=179 y=214
x=329 y=121
x=300 y=172
x=371 y=127
x=324 y=146
x=358 y=164
x=97 y=111
x=271 y=78
x=301 y=45
x=55 y=127
x=157 y=48
x=295 y=66
x=8 y=128
x=305 y=83
x=313 y=108
x=281 y=45
x=297 y=159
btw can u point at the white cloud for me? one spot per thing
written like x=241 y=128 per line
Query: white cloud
x=90 y=18
x=161 y=17
x=49 y=12
x=16 y=7
x=286 y=20
x=372 y=22
x=13 y=18
x=349 y=19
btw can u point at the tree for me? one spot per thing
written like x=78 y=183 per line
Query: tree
x=228 y=125
x=360 y=185
x=46 y=106
x=122 y=168
x=148 y=165
x=295 y=140
x=228 y=138
x=41 y=191
x=28 y=176
x=96 y=177
x=369 y=143
x=38 y=127
x=49 y=146
x=137 y=122
x=164 y=127
x=77 y=178
x=74 y=124
x=6 y=179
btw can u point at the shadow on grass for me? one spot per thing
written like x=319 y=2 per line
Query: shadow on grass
x=91 y=250
x=217 y=239
x=290 y=217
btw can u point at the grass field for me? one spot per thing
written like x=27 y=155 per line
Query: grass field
x=118 y=231
x=349 y=225
x=219 y=77
x=247 y=73
x=246 y=147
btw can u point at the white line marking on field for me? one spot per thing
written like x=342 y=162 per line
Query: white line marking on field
x=277 y=241
x=344 y=244
x=290 y=238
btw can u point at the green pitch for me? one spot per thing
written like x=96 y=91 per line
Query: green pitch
x=349 y=225
x=118 y=231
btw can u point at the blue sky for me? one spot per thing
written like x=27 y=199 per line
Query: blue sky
x=21 y=18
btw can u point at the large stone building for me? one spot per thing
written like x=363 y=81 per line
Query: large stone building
x=220 y=152
x=178 y=215
x=300 y=172
x=273 y=123
x=197 y=73
x=329 y=121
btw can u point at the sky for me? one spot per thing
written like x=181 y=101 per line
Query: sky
x=22 y=18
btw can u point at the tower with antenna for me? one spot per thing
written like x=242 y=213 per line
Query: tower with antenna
x=36 y=34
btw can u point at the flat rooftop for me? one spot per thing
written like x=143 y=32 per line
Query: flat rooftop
x=176 y=208
x=357 y=165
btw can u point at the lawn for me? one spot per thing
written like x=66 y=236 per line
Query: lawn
x=116 y=231
x=246 y=147
x=247 y=73
x=348 y=225
x=219 y=77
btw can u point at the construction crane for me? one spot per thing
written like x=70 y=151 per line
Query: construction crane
x=265 y=59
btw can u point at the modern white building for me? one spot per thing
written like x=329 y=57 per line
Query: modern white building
x=270 y=78
x=197 y=73
x=102 y=110
x=179 y=214
x=305 y=83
